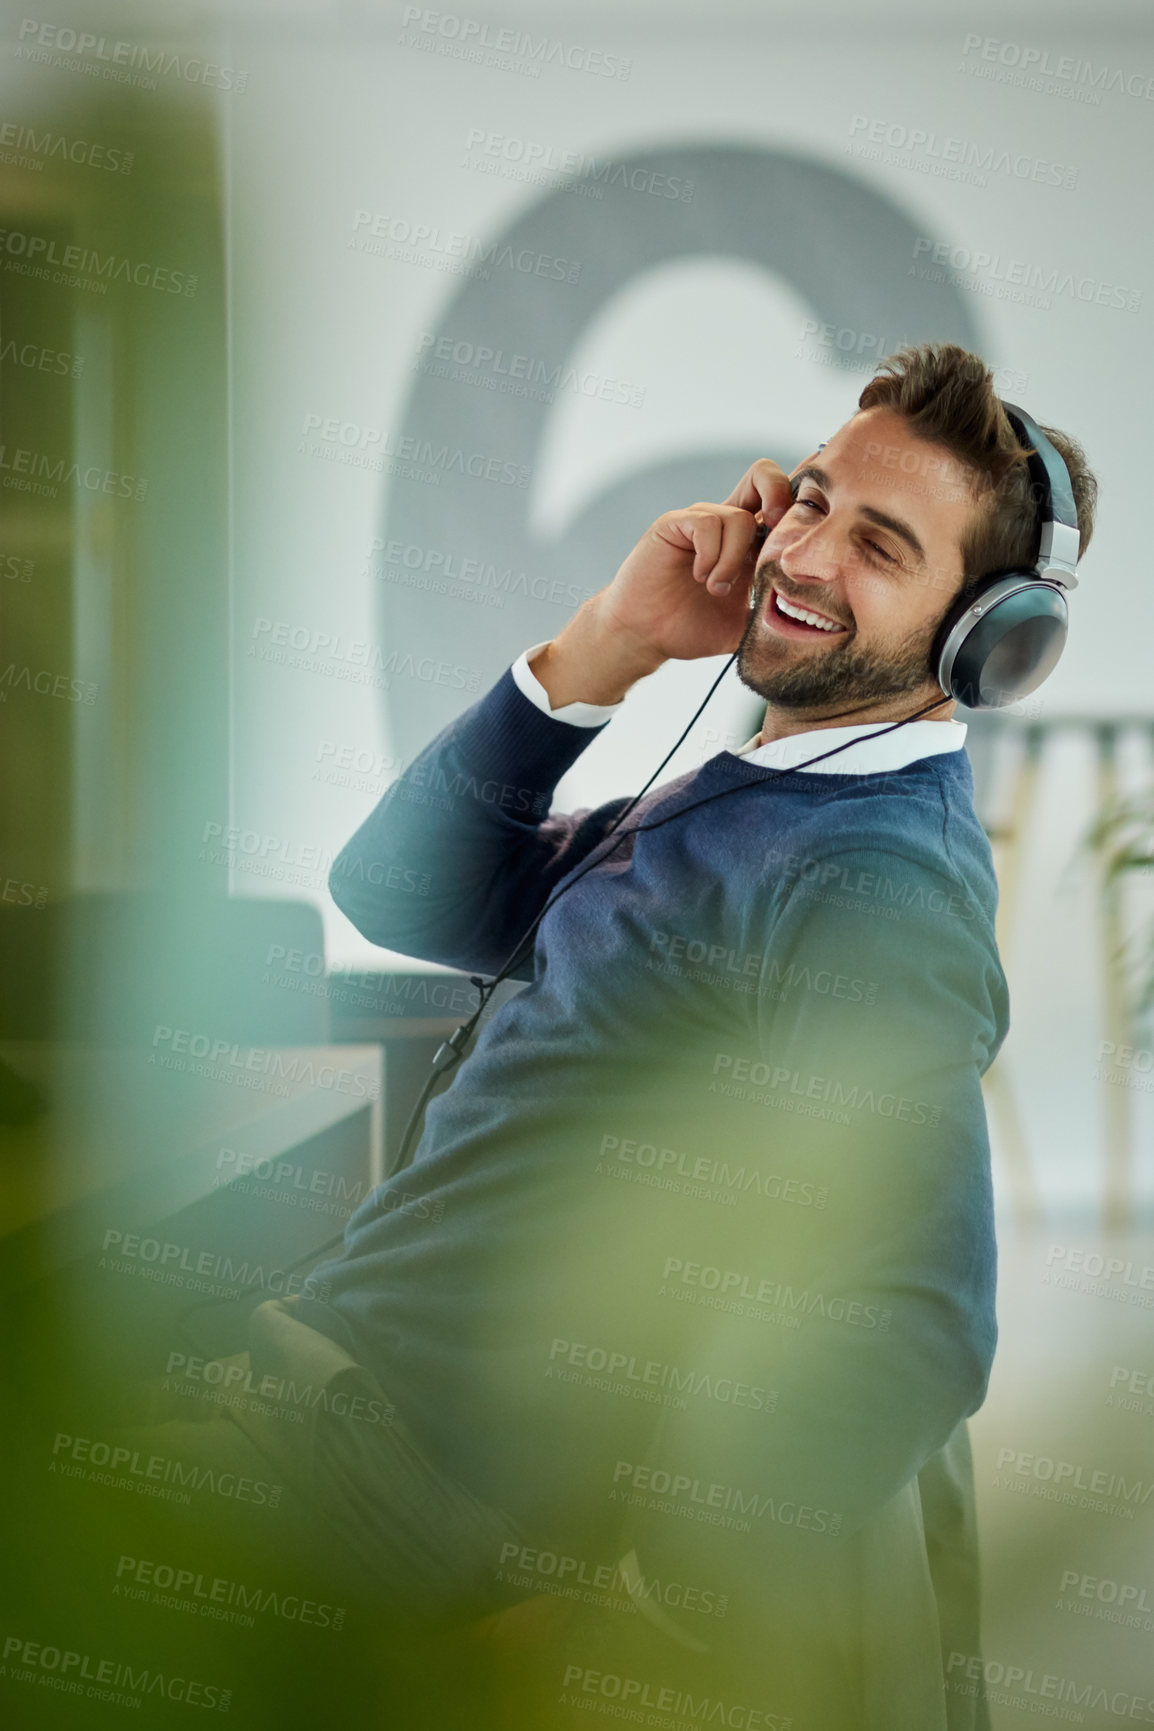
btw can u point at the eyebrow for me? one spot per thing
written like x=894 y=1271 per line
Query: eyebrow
x=895 y=525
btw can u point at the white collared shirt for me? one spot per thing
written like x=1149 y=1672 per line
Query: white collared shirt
x=875 y=756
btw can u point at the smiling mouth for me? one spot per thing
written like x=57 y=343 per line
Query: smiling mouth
x=794 y=620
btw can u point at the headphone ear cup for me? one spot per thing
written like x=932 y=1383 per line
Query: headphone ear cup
x=1002 y=645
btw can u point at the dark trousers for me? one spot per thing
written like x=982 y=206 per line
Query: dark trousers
x=356 y=1497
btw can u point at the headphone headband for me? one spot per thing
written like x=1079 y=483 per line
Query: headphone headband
x=1060 y=541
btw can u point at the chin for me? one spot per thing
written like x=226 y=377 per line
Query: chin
x=833 y=679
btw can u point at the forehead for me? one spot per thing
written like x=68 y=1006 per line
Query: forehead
x=879 y=462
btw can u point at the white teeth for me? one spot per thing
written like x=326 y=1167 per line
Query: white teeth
x=792 y=612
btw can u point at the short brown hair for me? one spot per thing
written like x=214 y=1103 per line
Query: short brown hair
x=947 y=395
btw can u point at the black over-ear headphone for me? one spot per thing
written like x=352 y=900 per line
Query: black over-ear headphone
x=1000 y=644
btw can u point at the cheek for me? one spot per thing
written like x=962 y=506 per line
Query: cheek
x=888 y=611
x=879 y=608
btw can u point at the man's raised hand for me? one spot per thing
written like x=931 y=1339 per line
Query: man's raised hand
x=683 y=592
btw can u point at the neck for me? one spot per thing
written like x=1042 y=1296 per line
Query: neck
x=784 y=723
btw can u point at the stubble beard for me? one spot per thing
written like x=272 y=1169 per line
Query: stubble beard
x=835 y=674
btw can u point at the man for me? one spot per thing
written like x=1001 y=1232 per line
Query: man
x=689 y=1290
x=713 y=1193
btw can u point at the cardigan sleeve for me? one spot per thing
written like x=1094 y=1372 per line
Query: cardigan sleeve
x=462 y=852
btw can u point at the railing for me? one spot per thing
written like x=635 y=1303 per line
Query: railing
x=1010 y=755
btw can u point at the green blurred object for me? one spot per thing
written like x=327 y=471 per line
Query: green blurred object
x=1123 y=838
x=21 y=1102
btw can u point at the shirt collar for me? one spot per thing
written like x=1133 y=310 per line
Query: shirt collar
x=876 y=753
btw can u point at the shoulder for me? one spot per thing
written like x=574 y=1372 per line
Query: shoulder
x=907 y=838
x=893 y=927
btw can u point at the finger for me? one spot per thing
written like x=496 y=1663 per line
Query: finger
x=740 y=533
x=775 y=492
x=745 y=493
x=764 y=487
x=702 y=530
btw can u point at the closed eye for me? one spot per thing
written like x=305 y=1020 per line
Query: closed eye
x=880 y=551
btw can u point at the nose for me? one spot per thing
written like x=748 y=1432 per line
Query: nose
x=812 y=549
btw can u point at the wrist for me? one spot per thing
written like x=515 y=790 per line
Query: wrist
x=592 y=661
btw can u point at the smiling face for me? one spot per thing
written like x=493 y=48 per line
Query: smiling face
x=852 y=583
